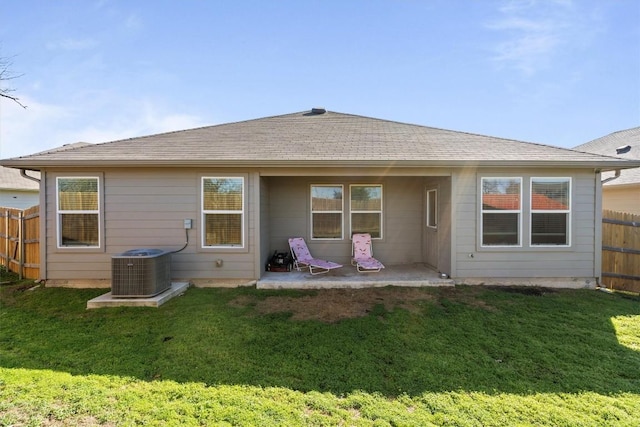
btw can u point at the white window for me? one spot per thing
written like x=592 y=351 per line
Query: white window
x=223 y=212
x=78 y=212
x=366 y=209
x=432 y=208
x=550 y=211
x=501 y=211
x=326 y=212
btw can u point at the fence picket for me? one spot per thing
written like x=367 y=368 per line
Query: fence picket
x=20 y=243
x=621 y=251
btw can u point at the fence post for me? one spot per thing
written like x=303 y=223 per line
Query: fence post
x=21 y=243
x=6 y=239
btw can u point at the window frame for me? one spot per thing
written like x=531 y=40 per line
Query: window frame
x=519 y=211
x=429 y=223
x=568 y=211
x=97 y=212
x=312 y=212
x=379 y=212
x=204 y=212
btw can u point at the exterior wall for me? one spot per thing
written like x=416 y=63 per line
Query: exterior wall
x=18 y=199
x=576 y=261
x=146 y=208
x=622 y=198
x=265 y=224
x=443 y=185
x=402 y=217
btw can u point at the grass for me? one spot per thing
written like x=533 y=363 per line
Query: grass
x=469 y=356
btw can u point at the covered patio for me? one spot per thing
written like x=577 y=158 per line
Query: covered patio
x=415 y=275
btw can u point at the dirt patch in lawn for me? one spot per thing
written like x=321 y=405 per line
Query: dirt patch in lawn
x=332 y=305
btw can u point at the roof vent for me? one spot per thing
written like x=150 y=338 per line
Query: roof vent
x=318 y=110
x=623 y=149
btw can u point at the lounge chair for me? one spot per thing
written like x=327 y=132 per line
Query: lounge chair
x=302 y=258
x=362 y=254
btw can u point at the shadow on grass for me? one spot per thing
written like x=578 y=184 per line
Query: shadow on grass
x=467 y=338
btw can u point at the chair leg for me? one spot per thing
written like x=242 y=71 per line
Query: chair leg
x=319 y=270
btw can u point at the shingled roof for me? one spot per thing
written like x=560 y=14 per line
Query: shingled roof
x=10 y=179
x=316 y=138
x=624 y=144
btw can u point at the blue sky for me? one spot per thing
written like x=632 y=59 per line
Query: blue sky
x=557 y=72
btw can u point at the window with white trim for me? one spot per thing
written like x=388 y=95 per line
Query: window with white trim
x=326 y=211
x=223 y=212
x=366 y=209
x=432 y=208
x=550 y=211
x=501 y=211
x=78 y=212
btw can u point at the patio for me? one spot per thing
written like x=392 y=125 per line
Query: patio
x=348 y=277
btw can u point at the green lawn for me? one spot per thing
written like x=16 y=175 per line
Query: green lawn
x=469 y=356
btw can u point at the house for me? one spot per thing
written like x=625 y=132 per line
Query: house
x=16 y=191
x=619 y=193
x=478 y=209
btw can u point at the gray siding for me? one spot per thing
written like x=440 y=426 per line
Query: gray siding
x=145 y=208
x=402 y=217
x=265 y=224
x=443 y=186
x=472 y=260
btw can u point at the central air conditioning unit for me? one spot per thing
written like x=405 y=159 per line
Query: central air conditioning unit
x=140 y=273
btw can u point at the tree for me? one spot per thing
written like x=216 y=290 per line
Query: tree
x=6 y=74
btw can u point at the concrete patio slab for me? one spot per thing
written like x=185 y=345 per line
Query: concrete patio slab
x=107 y=300
x=348 y=277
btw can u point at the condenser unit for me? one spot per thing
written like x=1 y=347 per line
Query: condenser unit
x=140 y=273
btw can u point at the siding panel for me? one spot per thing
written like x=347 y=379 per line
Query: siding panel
x=575 y=261
x=147 y=208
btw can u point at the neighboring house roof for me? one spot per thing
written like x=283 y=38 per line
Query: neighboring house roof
x=315 y=138
x=624 y=144
x=10 y=179
x=512 y=202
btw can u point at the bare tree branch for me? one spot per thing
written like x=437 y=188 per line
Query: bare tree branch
x=13 y=98
x=6 y=74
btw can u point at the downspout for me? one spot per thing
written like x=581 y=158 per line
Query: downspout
x=597 y=247
x=23 y=173
x=611 y=178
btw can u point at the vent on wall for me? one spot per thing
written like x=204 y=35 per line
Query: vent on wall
x=140 y=273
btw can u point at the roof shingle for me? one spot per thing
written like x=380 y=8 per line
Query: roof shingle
x=608 y=144
x=305 y=138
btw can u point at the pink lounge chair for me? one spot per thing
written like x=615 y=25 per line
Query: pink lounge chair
x=363 y=254
x=302 y=258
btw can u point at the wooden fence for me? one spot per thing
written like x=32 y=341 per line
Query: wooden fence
x=20 y=241
x=621 y=251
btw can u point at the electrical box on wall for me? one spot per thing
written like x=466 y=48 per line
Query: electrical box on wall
x=187 y=224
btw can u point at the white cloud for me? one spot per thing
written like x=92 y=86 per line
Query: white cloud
x=23 y=130
x=534 y=32
x=44 y=126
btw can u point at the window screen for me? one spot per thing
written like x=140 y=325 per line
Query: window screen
x=223 y=211
x=366 y=209
x=78 y=212
x=501 y=210
x=326 y=211
x=550 y=211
